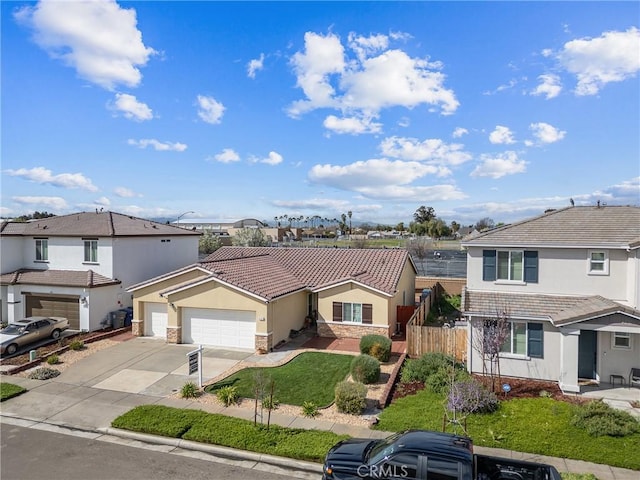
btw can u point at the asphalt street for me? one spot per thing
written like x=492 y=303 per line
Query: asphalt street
x=28 y=453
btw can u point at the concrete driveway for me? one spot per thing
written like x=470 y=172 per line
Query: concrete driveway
x=147 y=366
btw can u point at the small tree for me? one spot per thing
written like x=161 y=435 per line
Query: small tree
x=490 y=334
x=250 y=237
x=209 y=242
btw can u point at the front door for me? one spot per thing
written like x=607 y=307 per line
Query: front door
x=587 y=354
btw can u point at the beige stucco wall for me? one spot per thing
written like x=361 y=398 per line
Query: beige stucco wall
x=352 y=293
x=286 y=314
x=405 y=294
x=561 y=272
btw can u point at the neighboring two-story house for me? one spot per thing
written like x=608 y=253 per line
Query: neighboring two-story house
x=77 y=266
x=569 y=283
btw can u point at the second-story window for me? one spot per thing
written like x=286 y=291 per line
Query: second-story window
x=598 y=262
x=91 y=250
x=42 y=249
x=509 y=265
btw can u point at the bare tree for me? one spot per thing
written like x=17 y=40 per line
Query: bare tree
x=490 y=334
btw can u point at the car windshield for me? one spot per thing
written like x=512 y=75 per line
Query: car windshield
x=13 y=329
x=383 y=448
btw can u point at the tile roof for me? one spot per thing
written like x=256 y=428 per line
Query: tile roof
x=606 y=226
x=95 y=224
x=66 y=278
x=273 y=272
x=561 y=310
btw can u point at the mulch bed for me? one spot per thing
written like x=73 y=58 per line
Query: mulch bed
x=520 y=388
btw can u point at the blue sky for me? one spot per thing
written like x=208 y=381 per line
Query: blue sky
x=259 y=109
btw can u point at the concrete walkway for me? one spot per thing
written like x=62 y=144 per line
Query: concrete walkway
x=90 y=394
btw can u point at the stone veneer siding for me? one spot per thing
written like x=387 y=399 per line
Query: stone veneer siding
x=137 y=328
x=264 y=342
x=174 y=334
x=341 y=330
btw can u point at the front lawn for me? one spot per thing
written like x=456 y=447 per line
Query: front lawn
x=311 y=376
x=200 y=426
x=9 y=390
x=534 y=425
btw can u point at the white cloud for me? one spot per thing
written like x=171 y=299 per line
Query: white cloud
x=375 y=173
x=507 y=86
x=321 y=204
x=351 y=125
x=545 y=133
x=408 y=193
x=131 y=108
x=44 y=176
x=158 y=145
x=366 y=79
x=498 y=166
x=104 y=201
x=459 y=132
x=624 y=193
x=274 y=158
x=100 y=40
x=431 y=150
x=124 y=192
x=255 y=65
x=50 y=203
x=228 y=155
x=550 y=86
x=501 y=135
x=612 y=57
x=211 y=111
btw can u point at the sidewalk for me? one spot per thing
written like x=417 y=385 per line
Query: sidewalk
x=51 y=404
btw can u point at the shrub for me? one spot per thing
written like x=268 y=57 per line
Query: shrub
x=76 y=345
x=599 y=419
x=43 y=373
x=53 y=359
x=351 y=397
x=227 y=395
x=419 y=369
x=270 y=403
x=310 y=409
x=377 y=346
x=189 y=390
x=365 y=369
x=470 y=396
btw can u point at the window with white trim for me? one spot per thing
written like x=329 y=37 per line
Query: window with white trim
x=509 y=265
x=42 y=249
x=525 y=339
x=598 y=262
x=91 y=250
x=621 y=340
x=352 y=312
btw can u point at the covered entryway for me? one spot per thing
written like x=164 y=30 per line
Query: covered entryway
x=221 y=328
x=54 y=306
x=155 y=319
x=587 y=354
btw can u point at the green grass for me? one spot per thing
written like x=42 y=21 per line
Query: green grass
x=310 y=376
x=9 y=390
x=534 y=425
x=199 y=426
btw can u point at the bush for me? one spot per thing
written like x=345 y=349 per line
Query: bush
x=310 y=409
x=365 y=369
x=270 y=403
x=43 y=373
x=53 y=359
x=599 y=419
x=377 y=346
x=227 y=395
x=419 y=369
x=351 y=397
x=470 y=396
x=189 y=390
x=76 y=345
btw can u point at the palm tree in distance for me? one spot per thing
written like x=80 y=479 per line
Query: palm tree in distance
x=349 y=213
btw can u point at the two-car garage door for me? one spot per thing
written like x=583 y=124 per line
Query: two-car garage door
x=221 y=328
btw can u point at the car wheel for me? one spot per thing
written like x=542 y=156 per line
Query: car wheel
x=11 y=349
x=55 y=334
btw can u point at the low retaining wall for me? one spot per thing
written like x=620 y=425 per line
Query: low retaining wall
x=385 y=398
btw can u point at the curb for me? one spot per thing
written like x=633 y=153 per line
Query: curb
x=225 y=452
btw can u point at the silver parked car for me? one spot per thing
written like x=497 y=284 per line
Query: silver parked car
x=30 y=330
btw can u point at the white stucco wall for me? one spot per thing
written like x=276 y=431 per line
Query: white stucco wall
x=562 y=272
x=11 y=254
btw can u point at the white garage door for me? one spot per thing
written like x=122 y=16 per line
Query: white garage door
x=155 y=319
x=220 y=328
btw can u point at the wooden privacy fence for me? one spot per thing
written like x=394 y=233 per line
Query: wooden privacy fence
x=451 y=341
